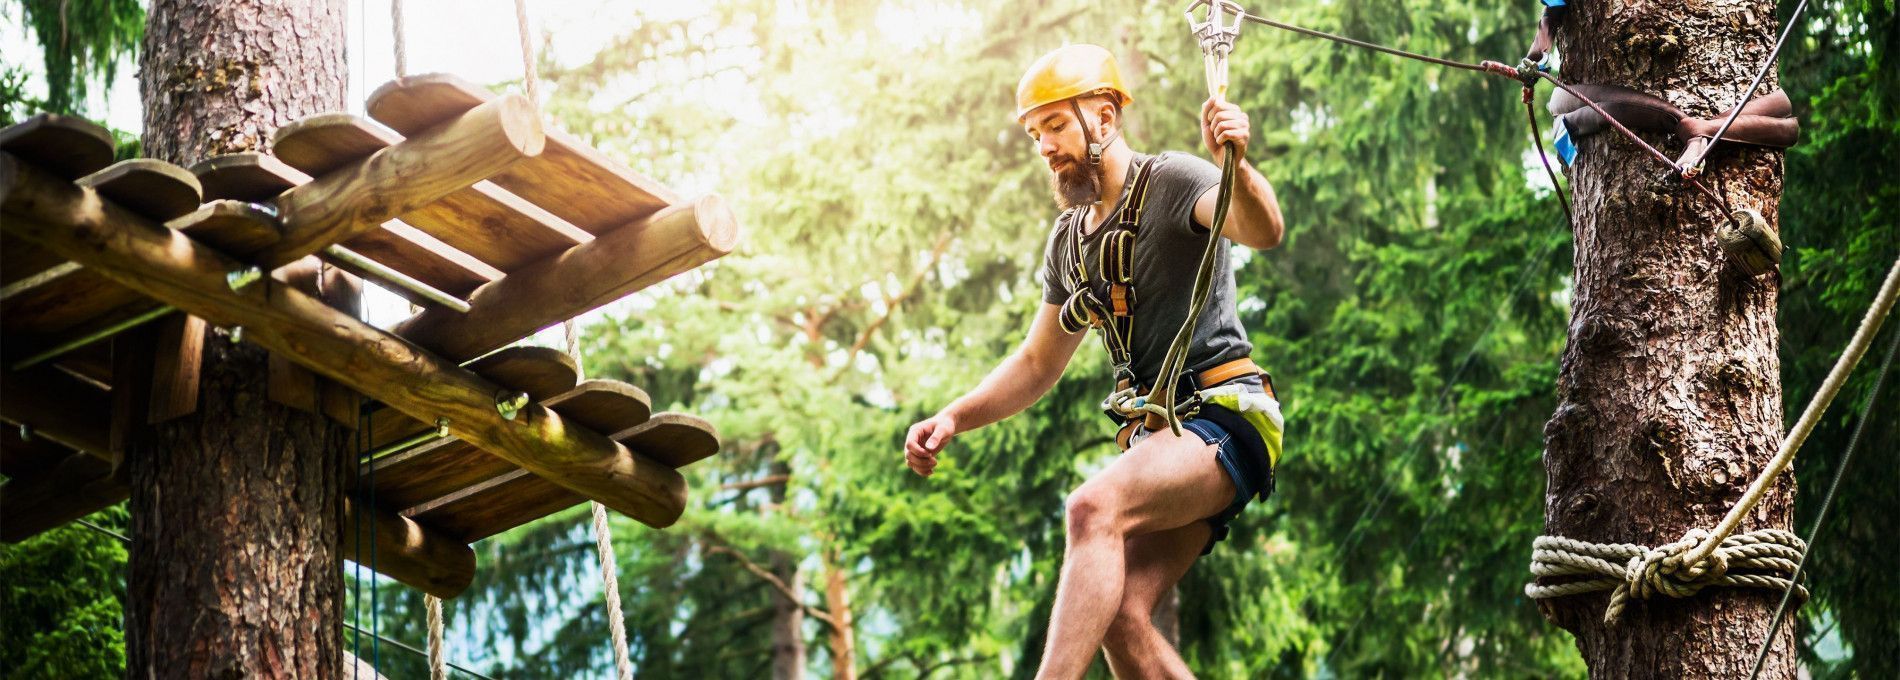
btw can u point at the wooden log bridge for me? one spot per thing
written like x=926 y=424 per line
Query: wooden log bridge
x=469 y=196
x=170 y=267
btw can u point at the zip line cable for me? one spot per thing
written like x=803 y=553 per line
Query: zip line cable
x=1741 y=98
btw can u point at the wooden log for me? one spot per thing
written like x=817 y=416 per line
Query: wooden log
x=60 y=407
x=66 y=146
x=408 y=250
x=419 y=556
x=253 y=177
x=42 y=312
x=497 y=505
x=80 y=485
x=587 y=276
x=249 y=176
x=544 y=373
x=675 y=439
x=570 y=178
x=171 y=267
x=401 y=178
x=131 y=393
x=411 y=478
x=178 y=352
x=404 y=479
x=153 y=188
x=483 y=220
x=237 y=228
x=320 y=144
x=508 y=499
x=286 y=382
x=605 y=405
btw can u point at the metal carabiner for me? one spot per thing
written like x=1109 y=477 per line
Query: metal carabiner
x=1216 y=33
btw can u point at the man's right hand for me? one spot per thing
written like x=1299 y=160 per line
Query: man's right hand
x=925 y=440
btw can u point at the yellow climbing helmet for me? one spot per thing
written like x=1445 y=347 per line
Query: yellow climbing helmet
x=1070 y=72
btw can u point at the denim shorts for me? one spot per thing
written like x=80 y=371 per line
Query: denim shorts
x=1242 y=452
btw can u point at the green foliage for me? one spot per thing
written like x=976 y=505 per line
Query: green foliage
x=63 y=597
x=81 y=40
x=1839 y=220
x=1413 y=320
x=895 y=219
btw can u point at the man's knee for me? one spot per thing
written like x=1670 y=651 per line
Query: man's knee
x=1092 y=513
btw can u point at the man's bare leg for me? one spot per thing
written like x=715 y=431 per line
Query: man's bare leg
x=1156 y=562
x=1163 y=483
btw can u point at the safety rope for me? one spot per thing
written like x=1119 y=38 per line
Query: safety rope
x=437 y=669
x=1814 y=531
x=401 y=44
x=1718 y=557
x=603 y=540
x=1758 y=559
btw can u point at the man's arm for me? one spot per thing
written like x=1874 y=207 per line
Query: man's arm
x=1254 y=218
x=1012 y=386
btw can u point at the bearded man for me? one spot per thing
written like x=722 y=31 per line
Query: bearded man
x=1122 y=258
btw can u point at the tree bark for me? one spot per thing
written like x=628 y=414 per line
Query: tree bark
x=236 y=508
x=844 y=646
x=1670 y=390
x=788 y=613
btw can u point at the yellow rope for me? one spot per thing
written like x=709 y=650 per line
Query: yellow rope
x=1869 y=325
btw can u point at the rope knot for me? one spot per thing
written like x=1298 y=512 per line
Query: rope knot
x=1757 y=559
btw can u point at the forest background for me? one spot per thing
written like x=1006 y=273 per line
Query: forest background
x=894 y=217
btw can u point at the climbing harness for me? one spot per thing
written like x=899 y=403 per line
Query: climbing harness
x=1765 y=558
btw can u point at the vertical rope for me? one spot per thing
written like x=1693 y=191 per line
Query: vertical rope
x=402 y=47
x=438 y=670
x=610 y=584
x=532 y=81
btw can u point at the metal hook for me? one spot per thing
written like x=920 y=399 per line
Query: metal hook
x=1217 y=36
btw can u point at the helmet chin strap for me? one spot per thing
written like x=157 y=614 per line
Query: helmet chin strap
x=1095 y=149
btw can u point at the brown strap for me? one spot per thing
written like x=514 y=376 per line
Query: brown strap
x=1767 y=120
x=1228 y=371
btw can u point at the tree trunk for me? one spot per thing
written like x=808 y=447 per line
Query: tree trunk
x=844 y=646
x=236 y=508
x=788 y=614
x=1670 y=390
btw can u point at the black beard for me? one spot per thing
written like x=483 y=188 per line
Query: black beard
x=1078 y=184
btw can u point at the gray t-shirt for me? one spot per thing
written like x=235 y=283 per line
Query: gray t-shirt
x=1168 y=247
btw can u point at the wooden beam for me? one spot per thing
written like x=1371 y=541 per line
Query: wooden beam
x=571 y=179
x=169 y=266
x=401 y=178
x=67 y=146
x=484 y=220
x=414 y=554
x=80 y=485
x=153 y=188
x=587 y=276
x=497 y=505
x=60 y=407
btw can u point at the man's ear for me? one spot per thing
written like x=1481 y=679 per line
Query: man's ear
x=1109 y=118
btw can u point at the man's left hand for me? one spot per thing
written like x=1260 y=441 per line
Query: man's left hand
x=1222 y=122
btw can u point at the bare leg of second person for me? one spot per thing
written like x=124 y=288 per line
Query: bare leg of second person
x=1157 y=561
x=1163 y=483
